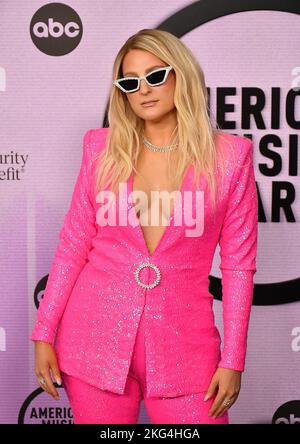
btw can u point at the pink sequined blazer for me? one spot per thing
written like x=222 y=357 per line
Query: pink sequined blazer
x=99 y=283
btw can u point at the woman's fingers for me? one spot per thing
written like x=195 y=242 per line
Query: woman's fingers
x=48 y=386
x=223 y=407
x=218 y=407
x=45 y=359
x=216 y=404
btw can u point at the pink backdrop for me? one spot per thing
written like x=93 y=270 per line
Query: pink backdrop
x=50 y=95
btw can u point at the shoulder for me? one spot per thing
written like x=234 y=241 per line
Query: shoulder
x=231 y=144
x=96 y=137
x=94 y=141
x=93 y=144
x=99 y=134
x=235 y=150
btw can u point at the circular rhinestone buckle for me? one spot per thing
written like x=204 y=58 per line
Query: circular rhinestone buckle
x=140 y=267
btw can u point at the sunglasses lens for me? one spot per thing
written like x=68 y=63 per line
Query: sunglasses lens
x=156 y=77
x=129 y=84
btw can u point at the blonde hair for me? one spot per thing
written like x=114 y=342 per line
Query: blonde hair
x=195 y=132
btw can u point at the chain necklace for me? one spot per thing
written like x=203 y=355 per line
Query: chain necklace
x=160 y=149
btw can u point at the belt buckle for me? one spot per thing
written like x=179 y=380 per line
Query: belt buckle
x=155 y=268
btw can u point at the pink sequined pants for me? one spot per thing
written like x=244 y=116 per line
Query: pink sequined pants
x=91 y=405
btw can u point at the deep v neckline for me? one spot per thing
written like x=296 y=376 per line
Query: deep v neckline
x=168 y=225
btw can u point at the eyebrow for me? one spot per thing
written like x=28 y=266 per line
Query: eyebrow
x=147 y=70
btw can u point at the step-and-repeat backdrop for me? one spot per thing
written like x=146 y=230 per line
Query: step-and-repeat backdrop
x=55 y=77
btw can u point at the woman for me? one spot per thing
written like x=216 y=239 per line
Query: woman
x=128 y=303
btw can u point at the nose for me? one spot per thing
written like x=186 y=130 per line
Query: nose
x=144 y=87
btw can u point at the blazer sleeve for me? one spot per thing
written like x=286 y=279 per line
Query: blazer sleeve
x=238 y=248
x=74 y=243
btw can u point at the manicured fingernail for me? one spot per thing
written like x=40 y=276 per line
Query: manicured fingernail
x=58 y=381
x=206 y=397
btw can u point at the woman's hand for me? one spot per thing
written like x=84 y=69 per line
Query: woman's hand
x=228 y=382
x=45 y=358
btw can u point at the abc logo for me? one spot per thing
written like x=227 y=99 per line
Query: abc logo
x=56 y=29
x=288 y=413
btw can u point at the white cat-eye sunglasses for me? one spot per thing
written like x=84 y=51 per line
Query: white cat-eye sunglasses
x=154 y=78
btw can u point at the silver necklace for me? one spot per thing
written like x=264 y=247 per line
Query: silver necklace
x=159 y=149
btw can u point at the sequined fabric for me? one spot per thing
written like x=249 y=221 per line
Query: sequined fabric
x=92 y=304
x=91 y=405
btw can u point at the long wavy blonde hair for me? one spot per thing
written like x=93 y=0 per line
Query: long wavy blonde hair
x=195 y=131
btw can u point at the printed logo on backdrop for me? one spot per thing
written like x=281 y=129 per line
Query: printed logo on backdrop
x=41 y=408
x=12 y=166
x=287 y=413
x=2 y=79
x=284 y=193
x=39 y=290
x=56 y=29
